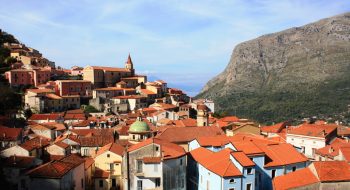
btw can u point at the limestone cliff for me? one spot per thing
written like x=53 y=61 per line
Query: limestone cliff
x=287 y=67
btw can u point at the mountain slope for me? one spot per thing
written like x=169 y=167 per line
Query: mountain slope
x=296 y=73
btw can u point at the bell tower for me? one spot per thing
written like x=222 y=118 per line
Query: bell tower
x=129 y=65
x=202 y=115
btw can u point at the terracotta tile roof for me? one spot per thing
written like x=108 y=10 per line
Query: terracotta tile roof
x=42 y=127
x=332 y=150
x=243 y=159
x=50 y=116
x=83 y=123
x=112 y=147
x=282 y=154
x=18 y=161
x=9 y=134
x=218 y=140
x=342 y=130
x=92 y=132
x=299 y=178
x=62 y=144
x=53 y=96
x=186 y=134
x=101 y=174
x=313 y=130
x=189 y=122
x=332 y=171
x=73 y=159
x=56 y=168
x=70 y=81
x=114 y=69
x=230 y=119
x=75 y=116
x=96 y=141
x=53 y=169
x=277 y=128
x=248 y=147
x=88 y=162
x=217 y=162
x=35 y=143
x=152 y=160
x=113 y=89
x=148 y=92
x=169 y=150
x=58 y=126
x=163 y=106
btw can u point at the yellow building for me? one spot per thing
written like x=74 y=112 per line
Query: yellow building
x=109 y=159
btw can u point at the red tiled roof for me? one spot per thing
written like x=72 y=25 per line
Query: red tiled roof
x=35 y=143
x=189 y=122
x=274 y=128
x=49 y=116
x=75 y=116
x=152 y=160
x=58 y=126
x=332 y=171
x=186 y=134
x=112 y=147
x=332 y=150
x=243 y=159
x=128 y=97
x=230 y=119
x=9 y=134
x=313 y=130
x=299 y=178
x=148 y=92
x=101 y=174
x=217 y=162
x=62 y=144
x=88 y=162
x=111 y=69
x=169 y=150
x=53 y=96
x=218 y=140
x=53 y=169
x=282 y=154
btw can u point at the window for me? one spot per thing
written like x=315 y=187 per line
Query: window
x=249 y=186
x=249 y=170
x=139 y=184
x=294 y=168
x=111 y=166
x=273 y=174
x=157 y=148
x=232 y=181
x=157 y=182
x=139 y=166
x=108 y=155
x=100 y=183
x=181 y=162
x=114 y=182
x=82 y=183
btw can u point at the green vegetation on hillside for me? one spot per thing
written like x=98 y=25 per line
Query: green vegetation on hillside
x=9 y=98
x=327 y=101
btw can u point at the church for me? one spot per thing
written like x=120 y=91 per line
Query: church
x=108 y=76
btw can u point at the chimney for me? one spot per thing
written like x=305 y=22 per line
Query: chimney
x=324 y=132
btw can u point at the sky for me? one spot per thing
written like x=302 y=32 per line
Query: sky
x=185 y=43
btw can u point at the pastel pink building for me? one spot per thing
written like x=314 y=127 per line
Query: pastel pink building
x=73 y=87
x=33 y=77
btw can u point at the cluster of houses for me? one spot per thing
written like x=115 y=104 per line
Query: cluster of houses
x=146 y=135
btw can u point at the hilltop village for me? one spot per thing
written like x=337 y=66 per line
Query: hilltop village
x=103 y=127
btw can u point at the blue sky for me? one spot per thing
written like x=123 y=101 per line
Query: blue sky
x=183 y=42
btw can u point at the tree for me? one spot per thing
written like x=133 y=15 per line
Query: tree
x=90 y=109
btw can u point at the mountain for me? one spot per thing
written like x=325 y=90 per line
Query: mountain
x=292 y=74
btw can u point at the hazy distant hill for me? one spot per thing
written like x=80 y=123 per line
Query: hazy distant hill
x=295 y=73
